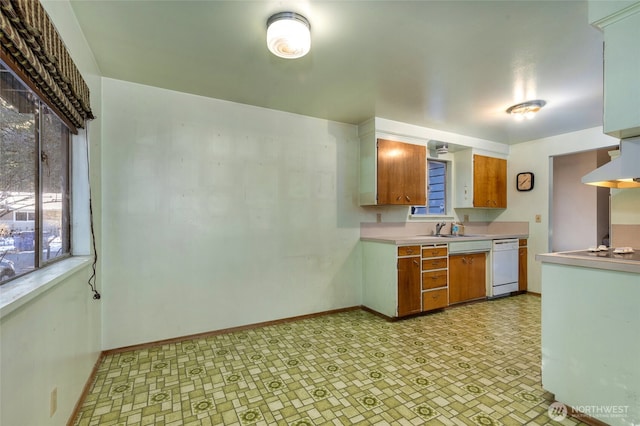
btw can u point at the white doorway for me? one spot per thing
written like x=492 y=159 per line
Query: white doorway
x=579 y=212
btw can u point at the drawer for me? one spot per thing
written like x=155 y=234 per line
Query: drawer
x=434 y=279
x=435 y=299
x=409 y=251
x=428 y=264
x=434 y=251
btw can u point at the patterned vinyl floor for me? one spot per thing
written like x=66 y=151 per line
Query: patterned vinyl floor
x=477 y=364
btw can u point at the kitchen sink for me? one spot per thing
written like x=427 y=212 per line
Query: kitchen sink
x=450 y=236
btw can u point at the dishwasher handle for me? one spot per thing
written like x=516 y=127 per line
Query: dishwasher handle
x=506 y=244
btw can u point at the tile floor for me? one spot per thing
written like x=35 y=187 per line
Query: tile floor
x=477 y=364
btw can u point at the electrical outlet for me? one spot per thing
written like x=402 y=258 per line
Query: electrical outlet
x=53 y=403
x=538 y=218
x=379 y=217
x=466 y=218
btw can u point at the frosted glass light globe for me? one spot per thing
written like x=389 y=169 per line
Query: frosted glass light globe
x=288 y=35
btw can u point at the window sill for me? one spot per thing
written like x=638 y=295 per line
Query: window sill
x=24 y=289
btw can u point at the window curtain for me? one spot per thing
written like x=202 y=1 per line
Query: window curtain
x=32 y=47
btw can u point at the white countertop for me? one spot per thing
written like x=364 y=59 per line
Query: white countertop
x=431 y=239
x=620 y=264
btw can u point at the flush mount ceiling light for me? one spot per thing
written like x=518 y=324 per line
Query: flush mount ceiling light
x=526 y=109
x=288 y=35
x=442 y=148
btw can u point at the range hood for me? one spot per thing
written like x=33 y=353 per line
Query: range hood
x=621 y=172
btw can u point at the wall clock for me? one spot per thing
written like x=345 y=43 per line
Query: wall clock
x=524 y=181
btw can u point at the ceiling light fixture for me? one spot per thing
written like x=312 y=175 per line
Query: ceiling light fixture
x=442 y=148
x=526 y=110
x=288 y=35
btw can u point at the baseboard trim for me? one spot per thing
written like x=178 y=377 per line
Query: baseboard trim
x=378 y=314
x=534 y=293
x=85 y=389
x=581 y=417
x=226 y=331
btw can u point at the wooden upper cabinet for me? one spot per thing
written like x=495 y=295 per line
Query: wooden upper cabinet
x=489 y=182
x=401 y=173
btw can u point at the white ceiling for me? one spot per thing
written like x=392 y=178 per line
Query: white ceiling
x=448 y=65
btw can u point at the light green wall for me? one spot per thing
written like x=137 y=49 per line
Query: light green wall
x=219 y=214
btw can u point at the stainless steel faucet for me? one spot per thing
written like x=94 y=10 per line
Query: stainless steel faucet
x=439 y=227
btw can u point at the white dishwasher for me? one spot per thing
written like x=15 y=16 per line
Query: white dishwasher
x=505 y=267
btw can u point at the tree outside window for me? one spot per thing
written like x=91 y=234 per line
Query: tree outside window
x=34 y=180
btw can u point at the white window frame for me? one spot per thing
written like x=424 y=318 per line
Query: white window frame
x=448 y=210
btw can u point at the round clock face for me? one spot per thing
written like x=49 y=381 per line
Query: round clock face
x=524 y=181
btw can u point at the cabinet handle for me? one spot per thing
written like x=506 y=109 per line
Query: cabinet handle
x=409 y=251
x=415 y=262
x=407 y=198
x=464 y=260
x=434 y=263
x=399 y=197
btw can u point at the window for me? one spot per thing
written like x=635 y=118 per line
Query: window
x=436 y=190
x=34 y=180
x=24 y=216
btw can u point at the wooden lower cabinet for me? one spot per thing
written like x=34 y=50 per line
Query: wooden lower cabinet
x=467 y=277
x=522 y=266
x=434 y=277
x=435 y=299
x=409 y=289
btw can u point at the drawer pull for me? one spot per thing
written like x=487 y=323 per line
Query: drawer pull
x=409 y=251
x=415 y=262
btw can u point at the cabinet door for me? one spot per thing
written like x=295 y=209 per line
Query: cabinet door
x=409 y=291
x=522 y=269
x=477 y=268
x=402 y=171
x=457 y=278
x=467 y=277
x=489 y=182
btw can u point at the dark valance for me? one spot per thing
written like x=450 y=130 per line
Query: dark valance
x=33 y=48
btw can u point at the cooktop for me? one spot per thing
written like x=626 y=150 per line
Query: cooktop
x=608 y=254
